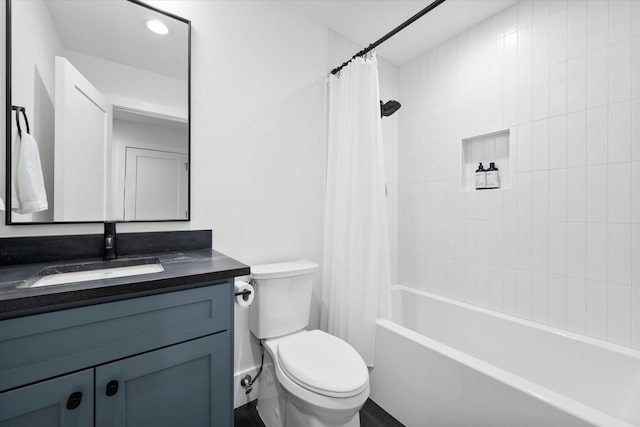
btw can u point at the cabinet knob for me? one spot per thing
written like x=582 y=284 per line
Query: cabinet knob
x=74 y=400
x=112 y=387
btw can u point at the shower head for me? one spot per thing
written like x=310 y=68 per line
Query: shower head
x=388 y=108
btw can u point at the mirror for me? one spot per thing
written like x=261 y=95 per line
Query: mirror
x=98 y=98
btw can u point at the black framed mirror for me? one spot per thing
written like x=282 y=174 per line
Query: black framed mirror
x=98 y=112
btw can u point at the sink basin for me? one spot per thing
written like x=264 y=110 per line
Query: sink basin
x=74 y=273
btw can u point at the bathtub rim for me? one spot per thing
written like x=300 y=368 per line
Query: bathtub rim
x=560 y=401
x=605 y=345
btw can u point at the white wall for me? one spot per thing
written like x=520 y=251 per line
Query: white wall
x=562 y=246
x=258 y=138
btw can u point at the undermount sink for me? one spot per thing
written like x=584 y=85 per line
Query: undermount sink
x=84 y=272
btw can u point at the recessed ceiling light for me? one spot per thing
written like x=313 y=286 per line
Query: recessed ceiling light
x=157 y=27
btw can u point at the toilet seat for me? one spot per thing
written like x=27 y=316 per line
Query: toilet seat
x=323 y=364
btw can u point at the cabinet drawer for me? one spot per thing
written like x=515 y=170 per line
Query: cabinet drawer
x=42 y=346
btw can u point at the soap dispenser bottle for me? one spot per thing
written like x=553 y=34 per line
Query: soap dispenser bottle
x=481 y=177
x=493 y=176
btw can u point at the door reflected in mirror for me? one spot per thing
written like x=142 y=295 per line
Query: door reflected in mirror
x=106 y=95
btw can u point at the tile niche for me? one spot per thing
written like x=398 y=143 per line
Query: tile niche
x=487 y=148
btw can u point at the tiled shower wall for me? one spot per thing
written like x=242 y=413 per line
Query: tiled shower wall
x=340 y=49
x=562 y=245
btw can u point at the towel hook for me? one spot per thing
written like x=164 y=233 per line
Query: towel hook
x=18 y=109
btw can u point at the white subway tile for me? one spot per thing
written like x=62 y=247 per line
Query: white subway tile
x=597 y=251
x=510 y=291
x=620 y=20
x=525 y=50
x=525 y=195
x=557 y=248
x=484 y=243
x=619 y=314
x=540 y=94
x=635 y=317
x=484 y=285
x=577 y=84
x=540 y=195
x=577 y=29
x=635 y=255
x=557 y=6
x=540 y=145
x=496 y=288
x=510 y=244
x=524 y=150
x=597 y=78
x=541 y=43
x=558 y=302
x=525 y=98
x=558 y=142
x=525 y=244
x=540 y=258
x=597 y=135
x=635 y=192
x=635 y=67
x=597 y=24
x=619 y=253
x=510 y=202
x=576 y=305
x=620 y=132
x=635 y=130
x=558 y=195
x=558 y=89
x=460 y=289
x=577 y=194
x=597 y=305
x=620 y=68
x=577 y=249
x=558 y=37
x=510 y=19
x=524 y=295
x=540 y=297
x=597 y=193
x=636 y=18
x=620 y=195
x=577 y=139
x=540 y=9
x=525 y=13
x=510 y=103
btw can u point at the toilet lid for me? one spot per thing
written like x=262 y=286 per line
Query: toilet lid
x=323 y=364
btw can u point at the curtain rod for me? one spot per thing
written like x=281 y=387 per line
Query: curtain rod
x=391 y=33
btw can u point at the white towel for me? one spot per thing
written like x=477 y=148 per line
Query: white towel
x=27 y=191
x=1 y=204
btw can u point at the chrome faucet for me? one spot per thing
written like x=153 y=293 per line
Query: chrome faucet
x=109 y=240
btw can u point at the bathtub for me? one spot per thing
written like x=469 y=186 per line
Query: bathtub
x=446 y=363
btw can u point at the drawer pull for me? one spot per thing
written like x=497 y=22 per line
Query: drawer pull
x=112 y=388
x=74 y=400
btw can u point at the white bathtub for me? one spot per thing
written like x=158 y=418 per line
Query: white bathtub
x=446 y=363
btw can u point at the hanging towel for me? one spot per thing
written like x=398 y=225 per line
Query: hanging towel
x=28 y=194
x=1 y=204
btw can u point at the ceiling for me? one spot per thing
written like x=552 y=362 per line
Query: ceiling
x=365 y=21
x=116 y=31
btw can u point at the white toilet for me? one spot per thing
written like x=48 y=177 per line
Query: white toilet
x=310 y=378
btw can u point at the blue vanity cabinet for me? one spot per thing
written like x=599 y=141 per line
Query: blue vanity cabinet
x=64 y=401
x=174 y=386
x=159 y=360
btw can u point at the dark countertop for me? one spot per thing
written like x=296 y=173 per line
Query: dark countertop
x=182 y=270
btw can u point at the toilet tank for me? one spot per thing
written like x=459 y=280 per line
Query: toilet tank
x=282 y=299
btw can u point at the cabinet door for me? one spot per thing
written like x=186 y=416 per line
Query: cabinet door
x=65 y=401
x=186 y=384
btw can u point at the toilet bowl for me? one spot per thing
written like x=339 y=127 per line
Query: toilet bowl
x=315 y=380
x=309 y=378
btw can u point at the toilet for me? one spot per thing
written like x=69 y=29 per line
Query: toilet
x=309 y=378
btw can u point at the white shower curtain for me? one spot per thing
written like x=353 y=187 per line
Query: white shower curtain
x=356 y=274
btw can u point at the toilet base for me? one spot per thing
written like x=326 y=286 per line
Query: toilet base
x=278 y=408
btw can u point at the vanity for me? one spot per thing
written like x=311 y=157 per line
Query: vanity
x=151 y=350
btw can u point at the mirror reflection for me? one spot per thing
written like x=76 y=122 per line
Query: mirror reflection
x=104 y=87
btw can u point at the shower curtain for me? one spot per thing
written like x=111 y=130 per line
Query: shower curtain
x=356 y=265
